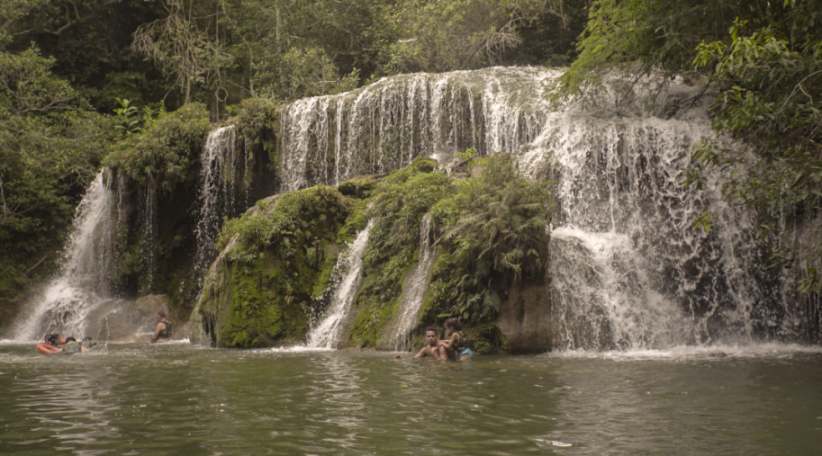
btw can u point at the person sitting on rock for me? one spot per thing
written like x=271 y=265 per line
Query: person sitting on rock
x=455 y=347
x=163 y=331
x=431 y=349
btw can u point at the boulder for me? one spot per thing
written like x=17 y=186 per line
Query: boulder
x=525 y=319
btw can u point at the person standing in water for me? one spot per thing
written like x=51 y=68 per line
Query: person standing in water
x=162 y=333
x=431 y=349
x=455 y=347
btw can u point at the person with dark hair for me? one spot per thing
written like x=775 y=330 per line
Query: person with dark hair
x=162 y=333
x=72 y=346
x=455 y=347
x=51 y=345
x=431 y=348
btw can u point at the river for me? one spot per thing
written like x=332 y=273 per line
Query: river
x=181 y=399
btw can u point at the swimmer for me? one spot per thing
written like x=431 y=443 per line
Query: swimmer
x=72 y=346
x=163 y=331
x=455 y=347
x=51 y=345
x=432 y=350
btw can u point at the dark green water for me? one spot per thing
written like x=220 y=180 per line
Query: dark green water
x=178 y=399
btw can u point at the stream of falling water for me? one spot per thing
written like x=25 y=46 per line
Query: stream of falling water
x=216 y=195
x=349 y=265
x=80 y=286
x=415 y=289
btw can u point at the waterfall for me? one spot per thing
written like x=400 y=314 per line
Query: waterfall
x=414 y=289
x=629 y=268
x=217 y=195
x=349 y=265
x=149 y=235
x=645 y=276
x=81 y=285
x=386 y=125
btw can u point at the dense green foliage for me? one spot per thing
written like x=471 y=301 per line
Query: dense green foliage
x=51 y=144
x=162 y=152
x=641 y=36
x=397 y=207
x=773 y=103
x=493 y=233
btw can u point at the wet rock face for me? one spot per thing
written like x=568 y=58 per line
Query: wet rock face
x=525 y=319
x=257 y=293
x=132 y=321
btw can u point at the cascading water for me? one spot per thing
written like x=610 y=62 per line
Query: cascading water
x=630 y=270
x=349 y=266
x=646 y=277
x=385 y=125
x=81 y=285
x=415 y=289
x=217 y=191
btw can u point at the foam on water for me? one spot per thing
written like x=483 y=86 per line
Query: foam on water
x=692 y=352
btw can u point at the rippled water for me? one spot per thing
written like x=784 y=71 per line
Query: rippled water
x=180 y=399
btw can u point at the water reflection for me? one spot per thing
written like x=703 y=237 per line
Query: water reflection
x=179 y=399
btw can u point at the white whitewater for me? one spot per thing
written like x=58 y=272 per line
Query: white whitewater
x=643 y=275
x=216 y=194
x=415 y=288
x=630 y=270
x=386 y=125
x=349 y=266
x=80 y=287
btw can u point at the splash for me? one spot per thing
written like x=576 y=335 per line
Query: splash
x=81 y=285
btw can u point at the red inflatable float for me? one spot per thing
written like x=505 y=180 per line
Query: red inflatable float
x=47 y=349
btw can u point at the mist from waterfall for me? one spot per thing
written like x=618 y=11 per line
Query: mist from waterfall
x=81 y=285
x=349 y=265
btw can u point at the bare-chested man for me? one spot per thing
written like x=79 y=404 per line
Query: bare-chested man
x=431 y=349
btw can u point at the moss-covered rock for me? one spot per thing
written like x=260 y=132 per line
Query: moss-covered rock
x=399 y=203
x=259 y=290
x=360 y=186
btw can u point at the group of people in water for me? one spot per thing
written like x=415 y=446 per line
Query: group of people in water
x=454 y=348
x=54 y=344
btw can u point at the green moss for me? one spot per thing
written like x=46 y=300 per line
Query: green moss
x=397 y=207
x=355 y=222
x=324 y=276
x=424 y=164
x=360 y=186
x=271 y=273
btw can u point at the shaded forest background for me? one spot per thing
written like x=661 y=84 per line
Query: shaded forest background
x=88 y=82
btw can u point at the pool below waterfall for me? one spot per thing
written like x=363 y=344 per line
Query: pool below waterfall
x=180 y=399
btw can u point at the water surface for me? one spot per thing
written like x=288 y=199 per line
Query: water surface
x=181 y=399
